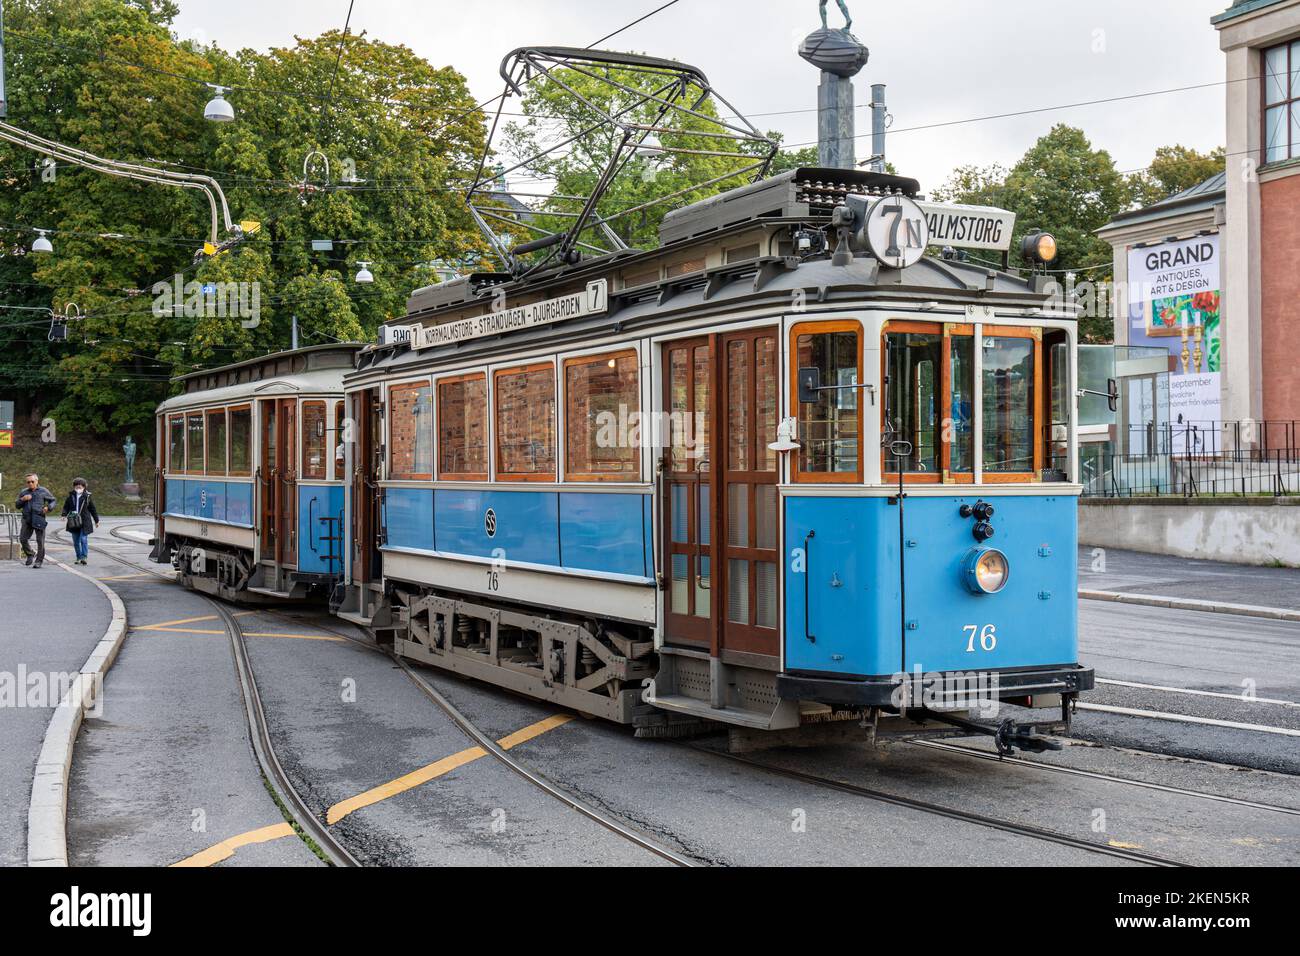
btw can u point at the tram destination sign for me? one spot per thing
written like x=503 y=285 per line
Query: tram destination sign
x=969 y=227
x=592 y=300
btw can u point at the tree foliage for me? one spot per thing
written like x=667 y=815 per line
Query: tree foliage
x=1175 y=169
x=109 y=77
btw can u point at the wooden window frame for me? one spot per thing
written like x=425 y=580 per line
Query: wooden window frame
x=946 y=331
x=501 y=474
x=207 y=445
x=302 y=441
x=594 y=359
x=184 y=438
x=437 y=431
x=815 y=327
x=202 y=413
x=230 y=441
x=339 y=468
x=1034 y=333
x=388 y=424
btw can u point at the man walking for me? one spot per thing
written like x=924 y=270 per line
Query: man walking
x=34 y=503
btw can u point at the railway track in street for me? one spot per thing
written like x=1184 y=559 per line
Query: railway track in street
x=299 y=815
x=319 y=831
x=1105 y=777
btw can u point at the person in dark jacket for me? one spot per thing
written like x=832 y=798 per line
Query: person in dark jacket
x=82 y=517
x=34 y=503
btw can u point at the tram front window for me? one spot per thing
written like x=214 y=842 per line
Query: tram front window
x=1009 y=403
x=914 y=371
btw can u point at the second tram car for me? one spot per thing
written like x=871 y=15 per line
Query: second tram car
x=249 y=483
x=783 y=469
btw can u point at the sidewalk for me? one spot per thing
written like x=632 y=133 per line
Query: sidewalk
x=1136 y=573
x=52 y=621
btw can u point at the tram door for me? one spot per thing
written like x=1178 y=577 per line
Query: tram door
x=278 y=482
x=721 y=502
x=366 y=556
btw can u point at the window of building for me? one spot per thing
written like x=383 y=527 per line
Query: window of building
x=241 y=441
x=217 y=442
x=462 y=428
x=1282 y=102
x=410 y=429
x=830 y=429
x=315 y=465
x=525 y=432
x=176 y=444
x=194 y=448
x=602 y=406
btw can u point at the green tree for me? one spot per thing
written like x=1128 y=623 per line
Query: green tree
x=1175 y=169
x=1061 y=185
x=109 y=77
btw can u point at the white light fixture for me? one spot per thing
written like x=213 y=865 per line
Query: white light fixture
x=785 y=440
x=218 y=109
x=42 y=244
x=650 y=146
x=364 y=275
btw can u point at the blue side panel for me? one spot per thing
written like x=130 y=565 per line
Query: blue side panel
x=175 y=496
x=314 y=503
x=408 y=518
x=853 y=594
x=193 y=500
x=527 y=524
x=239 y=503
x=849 y=571
x=212 y=500
x=604 y=532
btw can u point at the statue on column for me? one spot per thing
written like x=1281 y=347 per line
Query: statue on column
x=844 y=9
x=128 y=450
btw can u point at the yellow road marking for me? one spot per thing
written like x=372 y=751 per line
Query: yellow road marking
x=166 y=624
x=226 y=848
x=334 y=814
x=157 y=629
x=129 y=577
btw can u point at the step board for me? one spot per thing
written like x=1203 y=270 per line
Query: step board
x=267 y=592
x=681 y=704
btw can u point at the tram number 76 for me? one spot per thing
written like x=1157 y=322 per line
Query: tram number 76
x=987 y=636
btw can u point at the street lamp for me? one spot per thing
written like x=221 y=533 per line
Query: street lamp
x=42 y=244
x=364 y=276
x=218 y=109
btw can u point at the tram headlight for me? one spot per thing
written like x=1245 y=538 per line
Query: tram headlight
x=986 y=571
x=1038 y=248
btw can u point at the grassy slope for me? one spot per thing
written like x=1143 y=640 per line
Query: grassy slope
x=98 y=460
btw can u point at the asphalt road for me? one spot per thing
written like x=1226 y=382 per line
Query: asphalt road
x=403 y=786
x=1109 y=569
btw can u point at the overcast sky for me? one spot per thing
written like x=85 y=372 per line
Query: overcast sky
x=942 y=60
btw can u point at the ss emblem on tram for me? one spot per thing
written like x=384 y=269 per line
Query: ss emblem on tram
x=490 y=523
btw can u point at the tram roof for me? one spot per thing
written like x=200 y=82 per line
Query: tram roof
x=768 y=282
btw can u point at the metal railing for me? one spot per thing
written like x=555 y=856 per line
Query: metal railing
x=1198 y=459
x=13 y=523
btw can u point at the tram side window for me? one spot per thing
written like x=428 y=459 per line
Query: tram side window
x=829 y=446
x=602 y=404
x=410 y=432
x=217 y=442
x=462 y=428
x=1010 y=398
x=314 y=441
x=194 y=443
x=525 y=434
x=176 y=444
x=241 y=441
x=336 y=442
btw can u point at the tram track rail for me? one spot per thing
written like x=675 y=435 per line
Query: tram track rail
x=299 y=815
x=952 y=813
x=463 y=723
x=1038 y=765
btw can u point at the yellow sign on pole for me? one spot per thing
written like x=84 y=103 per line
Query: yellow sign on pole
x=6 y=439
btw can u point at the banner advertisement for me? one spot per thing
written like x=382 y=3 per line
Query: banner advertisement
x=1175 y=304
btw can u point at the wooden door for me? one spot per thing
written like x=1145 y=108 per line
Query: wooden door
x=268 y=480
x=287 y=508
x=721 y=506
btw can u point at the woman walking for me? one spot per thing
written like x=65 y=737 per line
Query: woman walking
x=82 y=518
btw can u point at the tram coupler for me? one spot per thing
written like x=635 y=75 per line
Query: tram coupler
x=1008 y=736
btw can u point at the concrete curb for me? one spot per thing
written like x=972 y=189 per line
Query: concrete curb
x=1189 y=604
x=47 y=814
